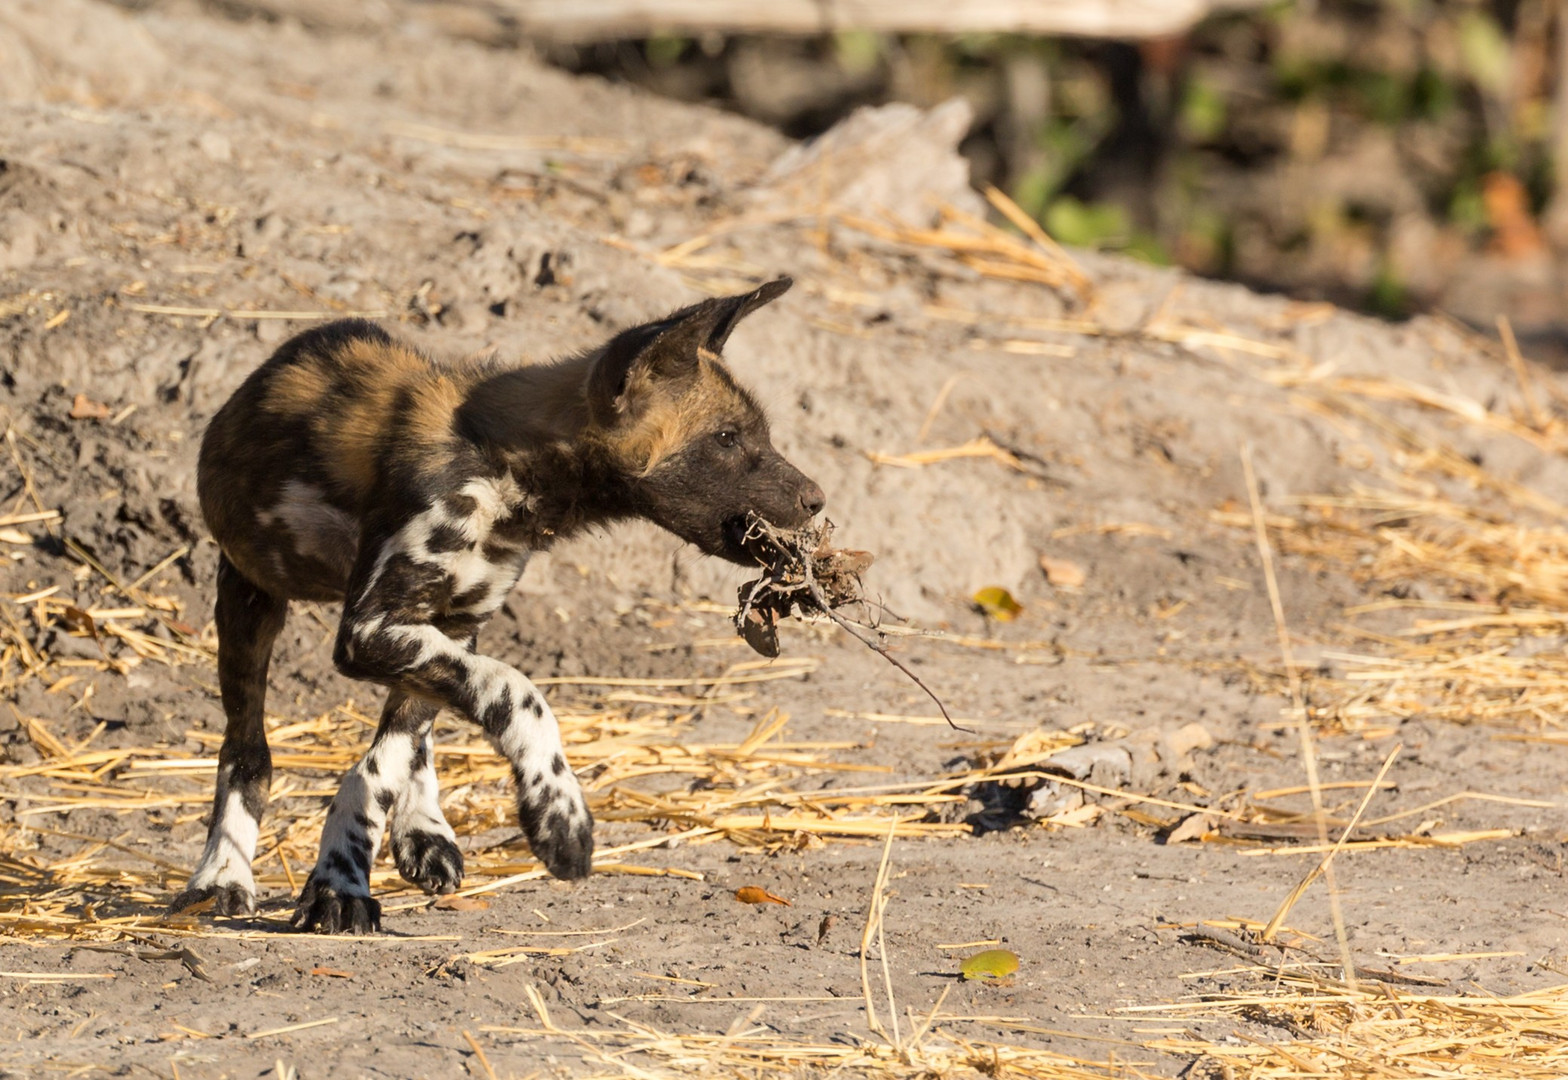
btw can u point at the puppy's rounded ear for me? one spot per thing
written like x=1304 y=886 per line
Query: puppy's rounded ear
x=612 y=372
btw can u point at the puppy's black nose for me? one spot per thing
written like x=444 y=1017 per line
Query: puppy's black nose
x=811 y=499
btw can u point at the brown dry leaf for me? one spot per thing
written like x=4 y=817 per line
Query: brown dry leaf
x=998 y=604
x=760 y=629
x=332 y=973
x=77 y=619
x=85 y=408
x=460 y=903
x=756 y=894
x=1063 y=573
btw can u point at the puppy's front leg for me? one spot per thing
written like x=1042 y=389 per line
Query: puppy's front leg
x=420 y=659
x=423 y=843
x=337 y=895
x=396 y=630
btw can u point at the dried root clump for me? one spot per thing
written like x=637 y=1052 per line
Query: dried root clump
x=801 y=572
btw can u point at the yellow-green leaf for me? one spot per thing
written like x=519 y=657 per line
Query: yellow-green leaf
x=993 y=965
x=998 y=603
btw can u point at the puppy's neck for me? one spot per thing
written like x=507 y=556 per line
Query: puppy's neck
x=523 y=408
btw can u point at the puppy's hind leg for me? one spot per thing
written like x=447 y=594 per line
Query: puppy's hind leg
x=249 y=619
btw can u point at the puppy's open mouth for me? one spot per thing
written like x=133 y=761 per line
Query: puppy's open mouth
x=736 y=532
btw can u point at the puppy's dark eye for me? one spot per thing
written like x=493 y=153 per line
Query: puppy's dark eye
x=726 y=438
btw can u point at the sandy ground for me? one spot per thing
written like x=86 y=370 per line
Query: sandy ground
x=169 y=173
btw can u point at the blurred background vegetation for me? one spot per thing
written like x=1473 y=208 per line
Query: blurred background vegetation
x=1389 y=155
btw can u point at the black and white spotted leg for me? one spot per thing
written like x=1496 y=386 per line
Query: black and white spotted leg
x=417 y=595
x=514 y=716
x=423 y=843
x=419 y=658
x=551 y=807
x=337 y=896
x=248 y=621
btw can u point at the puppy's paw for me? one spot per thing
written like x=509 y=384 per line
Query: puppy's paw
x=430 y=860
x=229 y=898
x=559 y=827
x=331 y=908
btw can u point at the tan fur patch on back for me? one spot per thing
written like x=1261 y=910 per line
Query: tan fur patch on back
x=352 y=431
x=300 y=390
x=435 y=406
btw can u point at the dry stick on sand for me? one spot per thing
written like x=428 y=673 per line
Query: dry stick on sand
x=479 y=1052
x=873 y=929
x=1299 y=709
x=1327 y=861
x=794 y=561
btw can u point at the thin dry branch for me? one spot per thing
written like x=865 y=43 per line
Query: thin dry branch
x=796 y=564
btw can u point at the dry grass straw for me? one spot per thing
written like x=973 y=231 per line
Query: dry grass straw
x=751 y=1048
x=1334 y=1030
x=982 y=247
x=875 y=913
x=1324 y=868
x=639 y=763
x=977 y=245
x=748 y=1047
x=1491 y=581
x=981 y=447
x=1309 y=755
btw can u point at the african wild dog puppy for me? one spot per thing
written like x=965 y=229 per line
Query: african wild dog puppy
x=350 y=467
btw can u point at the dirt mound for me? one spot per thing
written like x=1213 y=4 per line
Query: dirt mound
x=281 y=177
x=181 y=191
x=77 y=51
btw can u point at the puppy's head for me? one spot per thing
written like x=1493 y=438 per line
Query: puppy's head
x=691 y=443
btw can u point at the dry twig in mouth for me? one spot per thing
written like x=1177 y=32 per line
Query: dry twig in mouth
x=803 y=572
